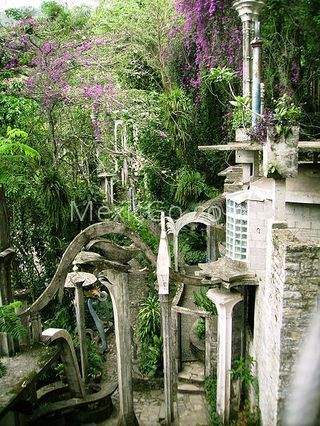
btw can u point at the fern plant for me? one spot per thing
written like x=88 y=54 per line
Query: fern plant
x=10 y=322
x=14 y=144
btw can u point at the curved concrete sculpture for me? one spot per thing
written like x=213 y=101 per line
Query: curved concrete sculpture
x=69 y=359
x=112 y=251
x=80 y=241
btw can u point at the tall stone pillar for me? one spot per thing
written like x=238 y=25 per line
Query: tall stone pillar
x=279 y=199
x=224 y=301
x=116 y=280
x=248 y=11
x=167 y=356
x=163 y=269
x=107 y=186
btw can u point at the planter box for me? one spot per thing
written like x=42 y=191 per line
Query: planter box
x=282 y=155
x=241 y=135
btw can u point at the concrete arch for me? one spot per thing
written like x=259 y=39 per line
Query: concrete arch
x=69 y=359
x=193 y=217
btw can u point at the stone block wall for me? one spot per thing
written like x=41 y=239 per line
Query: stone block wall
x=284 y=305
x=304 y=220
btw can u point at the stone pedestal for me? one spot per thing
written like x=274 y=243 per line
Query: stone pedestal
x=280 y=156
x=224 y=301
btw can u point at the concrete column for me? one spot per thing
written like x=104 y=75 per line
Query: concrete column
x=167 y=356
x=36 y=327
x=117 y=284
x=210 y=352
x=256 y=74
x=163 y=269
x=79 y=304
x=107 y=186
x=224 y=301
x=279 y=200
x=176 y=332
x=176 y=251
x=248 y=10
x=211 y=244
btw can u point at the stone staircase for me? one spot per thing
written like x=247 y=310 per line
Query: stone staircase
x=192 y=403
x=191 y=378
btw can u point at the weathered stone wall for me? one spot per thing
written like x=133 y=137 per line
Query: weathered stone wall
x=304 y=220
x=300 y=294
x=284 y=305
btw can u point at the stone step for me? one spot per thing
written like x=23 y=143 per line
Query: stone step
x=190 y=388
x=188 y=377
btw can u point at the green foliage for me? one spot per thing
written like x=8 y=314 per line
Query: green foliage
x=201 y=328
x=241 y=114
x=193 y=245
x=63 y=317
x=210 y=386
x=19 y=13
x=55 y=198
x=191 y=186
x=242 y=370
x=178 y=114
x=95 y=359
x=286 y=114
x=54 y=11
x=3 y=369
x=201 y=300
x=220 y=74
x=141 y=40
x=273 y=171
x=150 y=357
x=12 y=144
x=140 y=227
x=291 y=48
x=149 y=319
x=10 y=322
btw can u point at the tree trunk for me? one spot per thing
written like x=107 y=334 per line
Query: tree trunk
x=6 y=342
x=4 y=222
x=53 y=137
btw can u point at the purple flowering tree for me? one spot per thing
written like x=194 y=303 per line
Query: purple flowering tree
x=57 y=73
x=212 y=35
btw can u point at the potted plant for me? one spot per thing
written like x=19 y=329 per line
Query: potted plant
x=280 y=151
x=241 y=118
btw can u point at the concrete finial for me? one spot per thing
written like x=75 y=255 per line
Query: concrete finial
x=248 y=9
x=163 y=260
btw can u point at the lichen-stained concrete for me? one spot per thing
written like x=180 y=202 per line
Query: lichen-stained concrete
x=22 y=372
